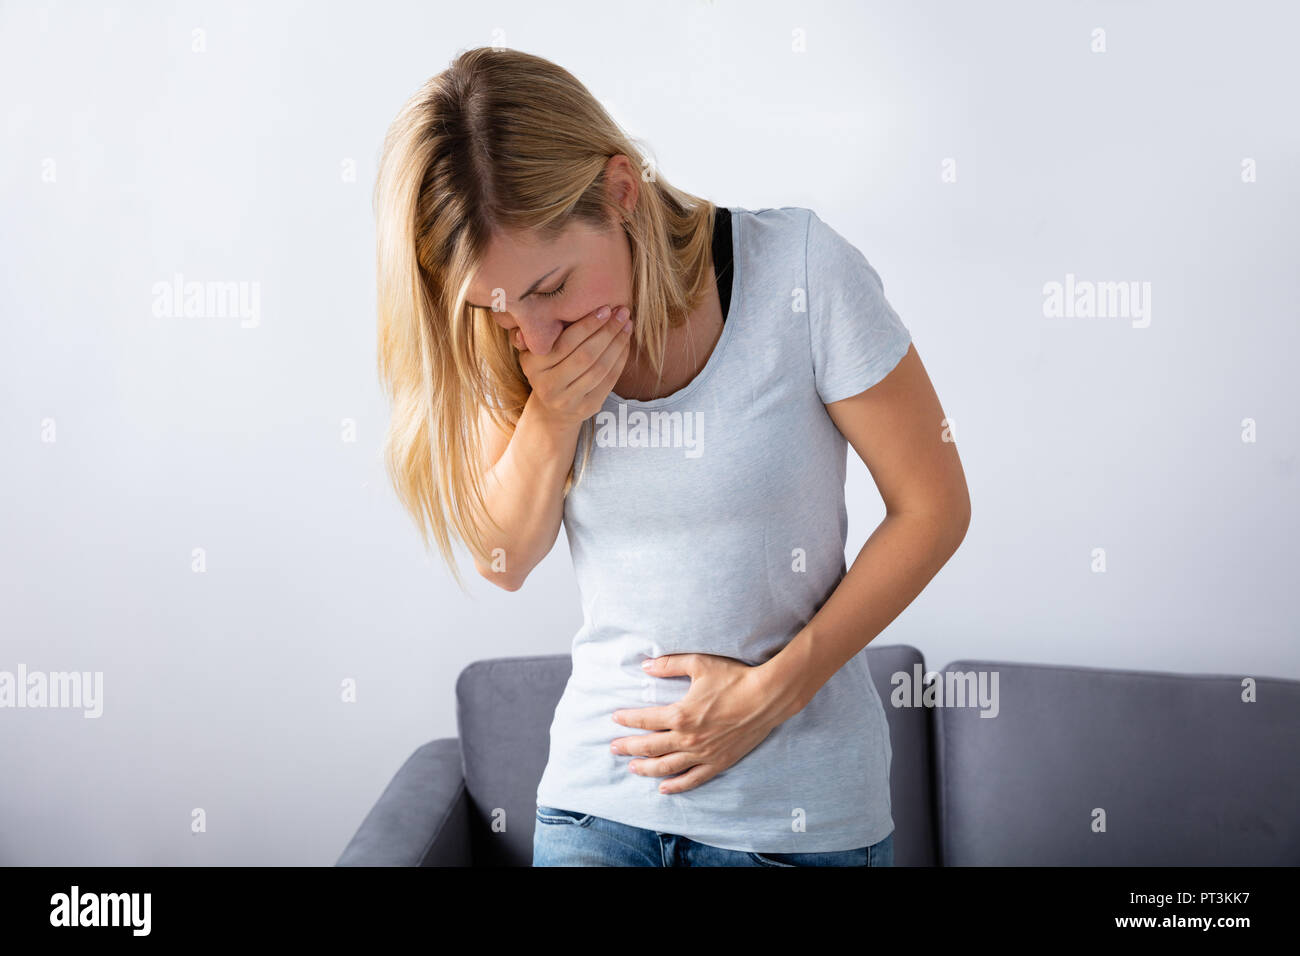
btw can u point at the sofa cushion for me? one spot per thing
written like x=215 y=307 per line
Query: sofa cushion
x=1185 y=771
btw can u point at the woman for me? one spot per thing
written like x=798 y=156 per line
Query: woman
x=567 y=338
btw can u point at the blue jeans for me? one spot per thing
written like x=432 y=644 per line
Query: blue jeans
x=569 y=838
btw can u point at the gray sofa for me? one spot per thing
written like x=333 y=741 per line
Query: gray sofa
x=1185 y=771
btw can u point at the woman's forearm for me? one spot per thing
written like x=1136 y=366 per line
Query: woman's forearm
x=524 y=493
x=899 y=559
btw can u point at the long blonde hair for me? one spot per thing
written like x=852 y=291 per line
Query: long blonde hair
x=500 y=140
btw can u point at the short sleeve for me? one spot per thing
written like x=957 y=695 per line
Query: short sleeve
x=856 y=336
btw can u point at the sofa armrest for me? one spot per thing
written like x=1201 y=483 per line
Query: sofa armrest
x=422 y=817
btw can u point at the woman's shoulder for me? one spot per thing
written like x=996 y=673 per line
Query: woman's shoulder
x=772 y=232
x=773 y=217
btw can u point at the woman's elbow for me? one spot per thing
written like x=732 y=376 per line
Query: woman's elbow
x=506 y=580
x=960 y=519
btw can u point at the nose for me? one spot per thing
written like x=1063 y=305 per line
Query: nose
x=539 y=334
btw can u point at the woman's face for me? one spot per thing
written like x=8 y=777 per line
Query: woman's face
x=540 y=288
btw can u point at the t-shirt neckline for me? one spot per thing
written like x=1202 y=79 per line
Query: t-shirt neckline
x=732 y=319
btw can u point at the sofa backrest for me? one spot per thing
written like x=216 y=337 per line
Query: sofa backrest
x=504 y=708
x=1180 y=769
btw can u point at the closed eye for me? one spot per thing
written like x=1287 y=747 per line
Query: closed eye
x=554 y=292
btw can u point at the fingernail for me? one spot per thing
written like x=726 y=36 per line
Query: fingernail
x=646 y=663
x=623 y=314
x=603 y=312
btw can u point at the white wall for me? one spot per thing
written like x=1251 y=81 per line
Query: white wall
x=222 y=689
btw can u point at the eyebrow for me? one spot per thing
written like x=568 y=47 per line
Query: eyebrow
x=531 y=289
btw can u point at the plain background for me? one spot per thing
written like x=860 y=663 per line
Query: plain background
x=223 y=689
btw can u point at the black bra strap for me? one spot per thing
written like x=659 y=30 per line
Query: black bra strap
x=722 y=256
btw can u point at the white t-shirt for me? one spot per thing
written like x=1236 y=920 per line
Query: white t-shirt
x=712 y=520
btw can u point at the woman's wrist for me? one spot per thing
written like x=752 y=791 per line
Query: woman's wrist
x=787 y=680
x=558 y=437
x=557 y=426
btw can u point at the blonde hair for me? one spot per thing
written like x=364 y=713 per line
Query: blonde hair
x=500 y=140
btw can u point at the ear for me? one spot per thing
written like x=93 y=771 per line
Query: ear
x=622 y=183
